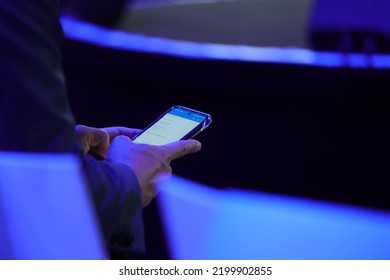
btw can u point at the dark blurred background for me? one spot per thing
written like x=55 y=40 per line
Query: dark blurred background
x=297 y=129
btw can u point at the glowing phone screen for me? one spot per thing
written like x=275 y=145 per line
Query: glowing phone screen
x=171 y=127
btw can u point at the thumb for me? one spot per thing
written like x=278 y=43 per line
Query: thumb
x=181 y=148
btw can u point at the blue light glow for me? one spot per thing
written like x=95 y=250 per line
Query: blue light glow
x=46 y=211
x=205 y=223
x=93 y=34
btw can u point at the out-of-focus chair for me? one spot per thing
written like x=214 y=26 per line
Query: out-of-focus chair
x=45 y=209
x=202 y=222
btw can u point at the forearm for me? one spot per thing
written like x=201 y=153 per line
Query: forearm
x=117 y=197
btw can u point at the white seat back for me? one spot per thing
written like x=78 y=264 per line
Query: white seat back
x=45 y=209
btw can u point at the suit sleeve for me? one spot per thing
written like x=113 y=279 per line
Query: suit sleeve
x=35 y=115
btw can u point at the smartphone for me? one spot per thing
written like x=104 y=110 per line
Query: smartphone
x=177 y=123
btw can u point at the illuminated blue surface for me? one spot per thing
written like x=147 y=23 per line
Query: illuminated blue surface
x=93 y=34
x=45 y=209
x=205 y=223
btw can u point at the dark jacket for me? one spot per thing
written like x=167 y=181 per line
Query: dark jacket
x=35 y=115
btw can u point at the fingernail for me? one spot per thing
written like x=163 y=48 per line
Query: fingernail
x=198 y=145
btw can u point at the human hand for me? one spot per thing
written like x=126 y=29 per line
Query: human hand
x=95 y=141
x=150 y=163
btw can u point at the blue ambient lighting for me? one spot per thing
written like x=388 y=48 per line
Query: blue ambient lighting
x=46 y=211
x=202 y=222
x=93 y=34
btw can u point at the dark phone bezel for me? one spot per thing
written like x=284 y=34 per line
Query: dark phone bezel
x=191 y=134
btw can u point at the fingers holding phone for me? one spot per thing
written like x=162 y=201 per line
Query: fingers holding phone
x=150 y=152
x=150 y=163
x=95 y=141
x=115 y=131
